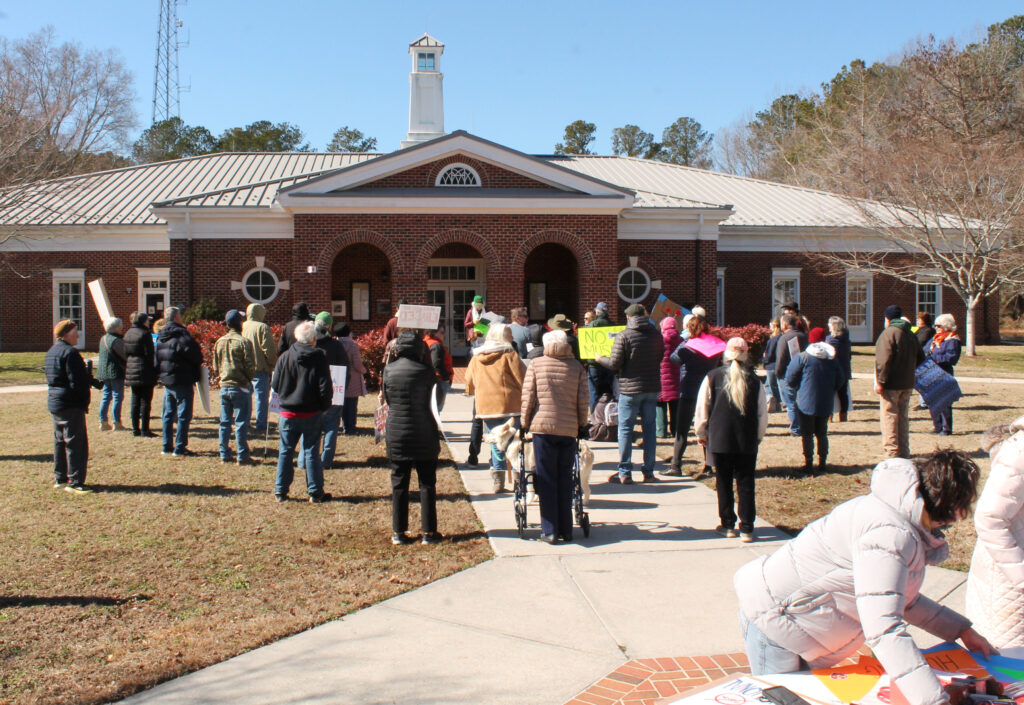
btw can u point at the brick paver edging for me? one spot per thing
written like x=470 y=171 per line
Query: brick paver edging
x=653 y=681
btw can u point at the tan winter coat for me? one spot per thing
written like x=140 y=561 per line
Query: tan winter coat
x=995 y=585
x=555 y=396
x=258 y=333
x=495 y=379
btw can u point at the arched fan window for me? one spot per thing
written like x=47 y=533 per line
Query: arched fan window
x=458 y=175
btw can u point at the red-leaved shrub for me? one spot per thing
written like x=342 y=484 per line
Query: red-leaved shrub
x=371 y=345
x=755 y=335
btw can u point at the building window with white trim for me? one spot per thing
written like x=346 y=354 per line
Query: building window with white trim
x=69 y=299
x=425 y=61
x=458 y=175
x=260 y=285
x=929 y=295
x=785 y=287
x=634 y=285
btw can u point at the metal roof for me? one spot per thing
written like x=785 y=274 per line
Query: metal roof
x=427 y=41
x=124 y=196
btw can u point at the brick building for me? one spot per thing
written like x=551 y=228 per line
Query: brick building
x=446 y=217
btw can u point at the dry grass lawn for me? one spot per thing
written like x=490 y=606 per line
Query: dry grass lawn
x=790 y=500
x=991 y=361
x=22 y=368
x=178 y=564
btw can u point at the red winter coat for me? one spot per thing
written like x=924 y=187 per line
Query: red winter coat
x=669 y=369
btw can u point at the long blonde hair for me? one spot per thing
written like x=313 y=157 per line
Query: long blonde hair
x=736 y=384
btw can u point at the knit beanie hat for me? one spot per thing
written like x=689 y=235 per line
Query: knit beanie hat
x=601 y=306
x=893 y=312
x=324 y=320
x=668 y=322
x=63 y=328
x=816 y=335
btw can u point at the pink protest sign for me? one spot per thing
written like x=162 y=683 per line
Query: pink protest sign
x=706 y=345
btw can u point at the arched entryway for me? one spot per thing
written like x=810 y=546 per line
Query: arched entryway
x=550 y=282
x=361 y=287
x=456 y=272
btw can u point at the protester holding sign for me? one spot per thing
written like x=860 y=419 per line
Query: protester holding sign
x=234 y=360
x=855 y=576
x=473 y=315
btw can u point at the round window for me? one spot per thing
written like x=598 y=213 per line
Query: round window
x=260 y=286
x=634 y=285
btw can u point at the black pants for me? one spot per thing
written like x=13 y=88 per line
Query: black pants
x=70 y=446
x=738 y=467
x=554 y=457
x=476 y=435
x=142 y=401
x=426 y=474
x=684 y=419
x=811 y=426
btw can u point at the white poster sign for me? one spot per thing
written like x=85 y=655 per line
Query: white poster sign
x=338 y=376
x=794 y=347
x=203 y=387
x=99 y=297
x=418 y=317
x=275 y=403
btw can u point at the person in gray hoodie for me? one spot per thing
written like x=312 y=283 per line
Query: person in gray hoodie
x=815 y=378
x=258 y=333
x=855 y=576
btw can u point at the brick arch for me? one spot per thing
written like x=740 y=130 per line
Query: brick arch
x=468 y=237
x=353 y=237
x=575 y=244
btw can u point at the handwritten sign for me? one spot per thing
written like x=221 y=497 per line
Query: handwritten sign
x=339 y=374
x=418 y=317
x=99 y=297
x=597 y=342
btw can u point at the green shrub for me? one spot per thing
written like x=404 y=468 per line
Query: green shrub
x=206 y=309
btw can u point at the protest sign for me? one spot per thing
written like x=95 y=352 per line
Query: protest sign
x=597 y=342
x=203 y=387
x=275 y=403
x=707 y=345
x=339 y=374
x=418 y=317
x=665 y=306
x=99 y=297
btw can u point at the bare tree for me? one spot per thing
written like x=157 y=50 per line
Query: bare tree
x=936 y=146
x=60 y=107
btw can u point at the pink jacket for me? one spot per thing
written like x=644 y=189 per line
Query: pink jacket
x=669 y=369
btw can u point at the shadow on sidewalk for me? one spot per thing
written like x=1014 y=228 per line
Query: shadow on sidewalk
x=606 y=533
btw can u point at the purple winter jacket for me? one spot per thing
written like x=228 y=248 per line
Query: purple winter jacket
x=669 y=369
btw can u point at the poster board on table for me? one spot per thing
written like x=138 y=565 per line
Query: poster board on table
x=99 y=297
x=419 y=317
x=339 y=374
x=203 y=387
x=665 y=306
x=597 y=342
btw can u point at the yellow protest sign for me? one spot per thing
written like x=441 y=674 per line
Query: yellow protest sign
x=597 y=342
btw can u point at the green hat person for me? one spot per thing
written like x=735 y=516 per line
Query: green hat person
x=473 y=315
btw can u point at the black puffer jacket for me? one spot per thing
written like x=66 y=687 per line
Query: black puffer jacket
x=537 y=341
x=332 y=347
x=636 y=357
x=68 y=378
x=140 y=368
x=300 y=314
x=302 y=379
x=408 y=383
x=178 y=356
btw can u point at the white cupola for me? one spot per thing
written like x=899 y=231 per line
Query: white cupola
x=426 y=96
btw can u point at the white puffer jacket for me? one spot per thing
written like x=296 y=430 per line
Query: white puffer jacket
x=995 y=586
x=854 y=576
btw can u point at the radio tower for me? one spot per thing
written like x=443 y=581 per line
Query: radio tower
x=166 y=89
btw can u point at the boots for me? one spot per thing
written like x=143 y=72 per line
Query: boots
x=499 y=480
x=842 y=416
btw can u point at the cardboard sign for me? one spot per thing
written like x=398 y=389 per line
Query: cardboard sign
x=597 y=342
x=665 y=306
x=380 y=423
x=794 y=347
x=339 y=374
x=99 y=297
x=203 y=387
x=418 y=317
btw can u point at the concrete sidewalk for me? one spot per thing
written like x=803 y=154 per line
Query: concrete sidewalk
x=536 y=625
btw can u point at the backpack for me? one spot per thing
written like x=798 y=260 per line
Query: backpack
x=611 y=414
x=604 y=424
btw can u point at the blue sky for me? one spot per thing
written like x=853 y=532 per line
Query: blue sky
x=515 y=72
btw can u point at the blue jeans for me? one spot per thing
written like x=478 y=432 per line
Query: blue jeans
x=789 y=398
x=498 y=461
x=113 y=389
x=348 y=415
x=235 y=407
x=765 y=655
x=631 y=405
x=773 y=385
x=330 y=424
x=177 y=410
x=446 y=386
x=261 y=399
x=294 y=432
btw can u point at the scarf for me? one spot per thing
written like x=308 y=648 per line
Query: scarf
x=941 y=335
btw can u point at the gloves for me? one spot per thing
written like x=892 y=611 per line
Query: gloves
x=584 y=433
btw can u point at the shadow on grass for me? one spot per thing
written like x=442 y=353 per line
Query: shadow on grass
x=797 y=472
x=68 y=601
x=174 y=488
x=35 y=458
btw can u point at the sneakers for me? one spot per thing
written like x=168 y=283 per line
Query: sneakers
x=320 y=498
x=281 y=497
x=77 y=489
x=59 y=485
x=728 y=532
x=549 y=539
x=431 y=539
x=403 y=539
x=185 y=453
x=747 y=538
x=672 y=472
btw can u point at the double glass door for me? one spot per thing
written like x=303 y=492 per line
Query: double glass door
x=454 y=301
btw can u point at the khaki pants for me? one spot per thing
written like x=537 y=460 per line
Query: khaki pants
x=894 y=413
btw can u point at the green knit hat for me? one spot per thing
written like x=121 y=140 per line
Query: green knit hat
x=324 y=320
